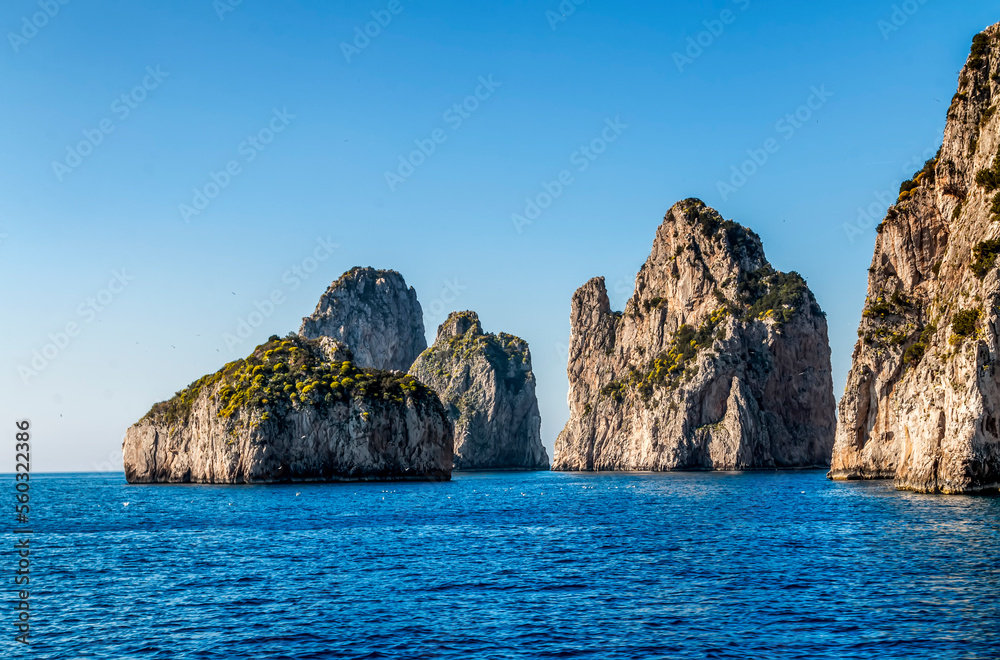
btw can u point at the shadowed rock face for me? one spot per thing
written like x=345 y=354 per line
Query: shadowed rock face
x=294 y=410
x=486 y=383
x=717 y=362
x=375 y=314
x=923 y=396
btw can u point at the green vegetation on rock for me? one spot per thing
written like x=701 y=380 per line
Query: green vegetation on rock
x=900 y=300
x=289 y=373
x=881 y=308
x=507 y=354
x=669 y=367
x=964 y=322
x=915 y=353
x=984 y=256
x=655 y=303
x=177 y=409
x=990 y=177
x=925 y=175
x=697 y=212
x=980 y=48
x=771 y=294
x=987 y=116
x=739 y=239
x=990 y=180
x=893 y=319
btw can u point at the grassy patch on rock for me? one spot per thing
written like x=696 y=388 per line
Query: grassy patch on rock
x=284 y=374
x=963 y=325
x=671 y=366
x=769 y=294
x=984 y=256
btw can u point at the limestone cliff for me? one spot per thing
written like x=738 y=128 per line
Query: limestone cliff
x=294 y=410
x=923 y=394
x=717 y=362
x=375 y=314
x=486 y=383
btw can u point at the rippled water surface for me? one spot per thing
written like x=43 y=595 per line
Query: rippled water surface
x=513 y=565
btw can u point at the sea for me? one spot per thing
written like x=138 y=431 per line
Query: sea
x=513 y=565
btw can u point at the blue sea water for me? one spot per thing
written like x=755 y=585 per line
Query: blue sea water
x=510 y=565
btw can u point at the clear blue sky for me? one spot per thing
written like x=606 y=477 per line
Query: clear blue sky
x=552 y=85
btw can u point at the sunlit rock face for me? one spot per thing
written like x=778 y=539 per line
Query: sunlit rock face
x=922 y=398
x=718 y=361
x=486 y=383
x=375 y=314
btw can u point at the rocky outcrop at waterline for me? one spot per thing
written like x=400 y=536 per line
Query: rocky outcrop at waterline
x=486 y=383
x=294 y=410
x=718 y=361
x=375 y=314
x=922 y=401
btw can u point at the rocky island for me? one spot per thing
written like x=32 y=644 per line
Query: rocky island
x=375 y=314
x=294 y=410
x=486 y=383
x=922 y=402
x=718 y=361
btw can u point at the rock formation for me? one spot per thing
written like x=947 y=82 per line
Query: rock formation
x=922 y=401
x=375 y=314
x=717 y=362
x=486 y=383
x=294 y=410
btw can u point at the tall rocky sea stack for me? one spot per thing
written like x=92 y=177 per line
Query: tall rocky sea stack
x=486 y=383
x=294 y=410
x=922 y=403
x=717 y=362
x=375 y=314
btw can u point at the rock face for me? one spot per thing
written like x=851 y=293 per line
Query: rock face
x=718 y=361
x=922 y=401
x=295 y=410
x=375 y=314
x=486 y=383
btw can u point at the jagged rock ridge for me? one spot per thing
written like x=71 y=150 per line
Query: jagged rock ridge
x=717 y=362
x=486 y=383
x=294 y=410
x=922 y=400
x=375 y=314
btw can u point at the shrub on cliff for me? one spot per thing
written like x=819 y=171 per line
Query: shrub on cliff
x=984 y=256
x=926 y=174
x=990 y=177
x=980 y=48
x=879 y=308
x=964 y=322
x=906 y=188
x=915 y=353
x=772 y=294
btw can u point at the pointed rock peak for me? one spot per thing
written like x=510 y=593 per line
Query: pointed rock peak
x=695 y=219
x=366 y=278
x=650 y=386
x=458 y=324
x=593 y=293
x=375 y=314
x=486 y=383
